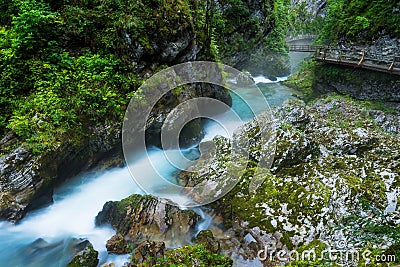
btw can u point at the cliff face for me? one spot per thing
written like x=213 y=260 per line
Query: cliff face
x=313 y=8
x=243 y=33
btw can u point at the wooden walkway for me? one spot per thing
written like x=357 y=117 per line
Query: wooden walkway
x=356 y=58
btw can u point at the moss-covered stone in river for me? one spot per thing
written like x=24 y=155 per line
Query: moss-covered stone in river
x=85 y=258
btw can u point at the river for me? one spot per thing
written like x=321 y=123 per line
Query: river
x=46 y=237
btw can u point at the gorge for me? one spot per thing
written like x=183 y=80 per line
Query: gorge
x=69 y=70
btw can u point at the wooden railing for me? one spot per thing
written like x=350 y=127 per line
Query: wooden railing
x=358 y=58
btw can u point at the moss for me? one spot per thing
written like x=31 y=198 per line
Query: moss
x=303 y=80
x=192 y=255
x=302 y=193
x=86 y=258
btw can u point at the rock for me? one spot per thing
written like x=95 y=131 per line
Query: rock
x=86 y=257
x=313 y=8
x=245 y=79
x=118 y=245
x=148 y=252
x=195 y=255
x=334 y=169
x=27 y=179
x=388 y=122
x=359 y=83
x=144 y=218
x=206 y=238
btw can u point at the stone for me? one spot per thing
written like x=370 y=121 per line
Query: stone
x=86 y=257
x=144 y=218
x=207 y=238
x=148 y=252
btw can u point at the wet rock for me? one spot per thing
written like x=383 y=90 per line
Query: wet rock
x=148 y=252
x=86 y=257
x=245 y=78
x=206 y=238
x=27 y=179
x=141 y=218
x=118 y=245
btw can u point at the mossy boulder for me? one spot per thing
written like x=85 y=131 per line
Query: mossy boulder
x=148 y=252
x=87 y=257
x=140 y=218
x=207 y=239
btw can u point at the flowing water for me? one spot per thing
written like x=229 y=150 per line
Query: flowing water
x=46 y=237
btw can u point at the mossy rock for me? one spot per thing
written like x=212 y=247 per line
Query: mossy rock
x=88 y=257
x=332 y=160
x=194 y=255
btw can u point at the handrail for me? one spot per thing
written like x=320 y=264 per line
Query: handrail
x=355 y=57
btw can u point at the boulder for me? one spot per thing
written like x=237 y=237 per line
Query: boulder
x=86 y=257
x=144 y=218
x=148 y=252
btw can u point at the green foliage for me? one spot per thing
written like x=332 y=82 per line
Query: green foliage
x=300 y=21
x=275 y=40
x=360 y=20
x=79 y=91
x=303 y=80
x=85 y=258
x=48 y=95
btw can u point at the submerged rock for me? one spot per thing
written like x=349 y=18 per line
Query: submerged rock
x=144 y=218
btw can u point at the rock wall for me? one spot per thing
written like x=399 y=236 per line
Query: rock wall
x=360 y=84
x=241 y=28
x=312 y=7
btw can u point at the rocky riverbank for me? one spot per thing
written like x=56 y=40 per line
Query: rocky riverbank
x=334 y=180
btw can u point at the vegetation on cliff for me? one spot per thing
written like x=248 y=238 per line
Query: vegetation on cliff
x=360 y=20
x=69 y=65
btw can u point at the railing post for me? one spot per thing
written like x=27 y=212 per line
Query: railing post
x=362 y=58
x=392 y=65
